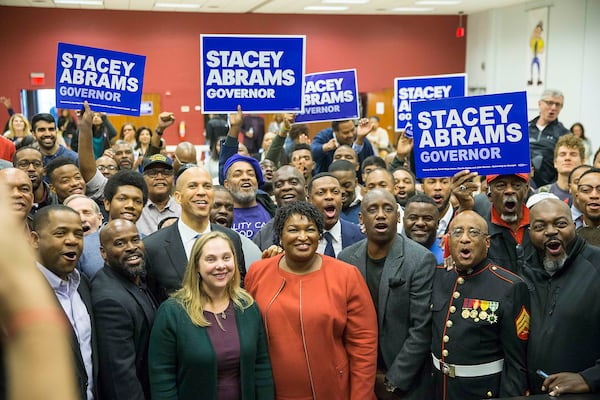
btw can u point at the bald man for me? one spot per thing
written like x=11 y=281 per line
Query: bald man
x=564 y=274
x=480 y=320
x=20 y=190
x=168 y=249
x=185 y=153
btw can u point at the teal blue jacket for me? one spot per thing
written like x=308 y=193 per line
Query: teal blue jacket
x=175 y=340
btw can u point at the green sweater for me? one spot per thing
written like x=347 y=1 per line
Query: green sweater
x=174 y=335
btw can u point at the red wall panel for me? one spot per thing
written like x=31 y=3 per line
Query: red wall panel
x=379 y=47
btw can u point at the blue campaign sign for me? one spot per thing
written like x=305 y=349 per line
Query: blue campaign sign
x=110 y=81
x=487 y=134
x=330 y=96
x=262 y=73
x=419 y=88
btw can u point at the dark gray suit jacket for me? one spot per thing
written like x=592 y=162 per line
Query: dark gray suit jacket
x=403 y=313
x=166 y=260
x=124 y=317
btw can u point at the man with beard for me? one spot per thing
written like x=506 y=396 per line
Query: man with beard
x=30 y=161
x=341 y=133
x=325 y=192
x=564 y=279
x=439 y=190
x=125 y=194
x=507 y=218
x=588 y=198
x=480 y=320
x=288 y=187
x=158 y=174
x=404 y=185
x=43 y=127
x=421 y=218
x=346 y=174
x=91 y=216
x=221 y=213
x=252 y=208
x=398 y=273
x=124 y=311
x=544 y=132
x=57 y=238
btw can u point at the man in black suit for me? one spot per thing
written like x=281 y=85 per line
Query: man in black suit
x=168 y=249
x=57 y=237
x=399 y=274
x=325 y=192
x=124 y=310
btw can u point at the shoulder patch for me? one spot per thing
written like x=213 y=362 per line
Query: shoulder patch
x=505 y=274
x=522 y=324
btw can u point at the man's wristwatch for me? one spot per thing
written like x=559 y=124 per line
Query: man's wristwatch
x=389 y=386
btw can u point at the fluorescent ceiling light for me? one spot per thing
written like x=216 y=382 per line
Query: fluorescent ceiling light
x=80 y=2
x=438 y=2
x=345 y=1
x=325 y=8
x=176 y=5
x=412 y=9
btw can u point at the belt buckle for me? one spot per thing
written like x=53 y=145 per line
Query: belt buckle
x=448 y=369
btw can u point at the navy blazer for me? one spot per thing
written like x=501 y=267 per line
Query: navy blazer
x=351 y=233
x=166 y=260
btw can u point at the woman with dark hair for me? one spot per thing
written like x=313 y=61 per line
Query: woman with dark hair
x=103 y=133
x=208 y=340
x=578 y=130
x=67 y=125
x=318 y=314
x=212 y=163
x=143 y=136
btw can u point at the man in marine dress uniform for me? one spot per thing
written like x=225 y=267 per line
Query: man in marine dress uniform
x=480 y=320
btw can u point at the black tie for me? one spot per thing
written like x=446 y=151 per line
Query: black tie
x=329 y=247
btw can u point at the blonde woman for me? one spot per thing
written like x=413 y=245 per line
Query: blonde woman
x=208 y=341
x=18 y=128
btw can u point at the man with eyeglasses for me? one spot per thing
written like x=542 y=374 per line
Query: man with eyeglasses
x=398 y=273
x=544 y=131
x=587 y=197
x=30 y=161
x=107 y=166
x=564 y=277
x=505 y=212
x=158 y=174
x=480 y=320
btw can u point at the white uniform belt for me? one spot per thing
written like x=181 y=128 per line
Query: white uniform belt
x=468 y=371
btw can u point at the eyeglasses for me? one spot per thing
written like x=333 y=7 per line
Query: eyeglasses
x=473 y=233
x=551 y=103
x=103 y=168
x=23 y=164
x=153 y=173
x=587 y=189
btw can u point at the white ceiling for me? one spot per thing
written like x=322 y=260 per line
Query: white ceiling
x=373 y=7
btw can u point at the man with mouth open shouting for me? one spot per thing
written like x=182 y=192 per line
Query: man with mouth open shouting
x=564 y=279
x=480 y=320
x=325 y=192
x=57 y=238
x=507 y=218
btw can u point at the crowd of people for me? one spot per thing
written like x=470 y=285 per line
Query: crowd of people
x=290 y=265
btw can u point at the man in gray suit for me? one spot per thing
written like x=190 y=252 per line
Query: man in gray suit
x=399 y=274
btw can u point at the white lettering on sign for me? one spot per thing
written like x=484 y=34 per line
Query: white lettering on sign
x=248 y=59
x=427 y=92
x=443 y=128
x=242 y=77
x=81 y=69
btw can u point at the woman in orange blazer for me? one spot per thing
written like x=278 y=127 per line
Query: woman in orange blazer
x=319 y=317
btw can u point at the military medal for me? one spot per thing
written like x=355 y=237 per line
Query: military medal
x=466 y=308
x=465 y=313
x=483 y=315
x=473 y=314
x=492 y=317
